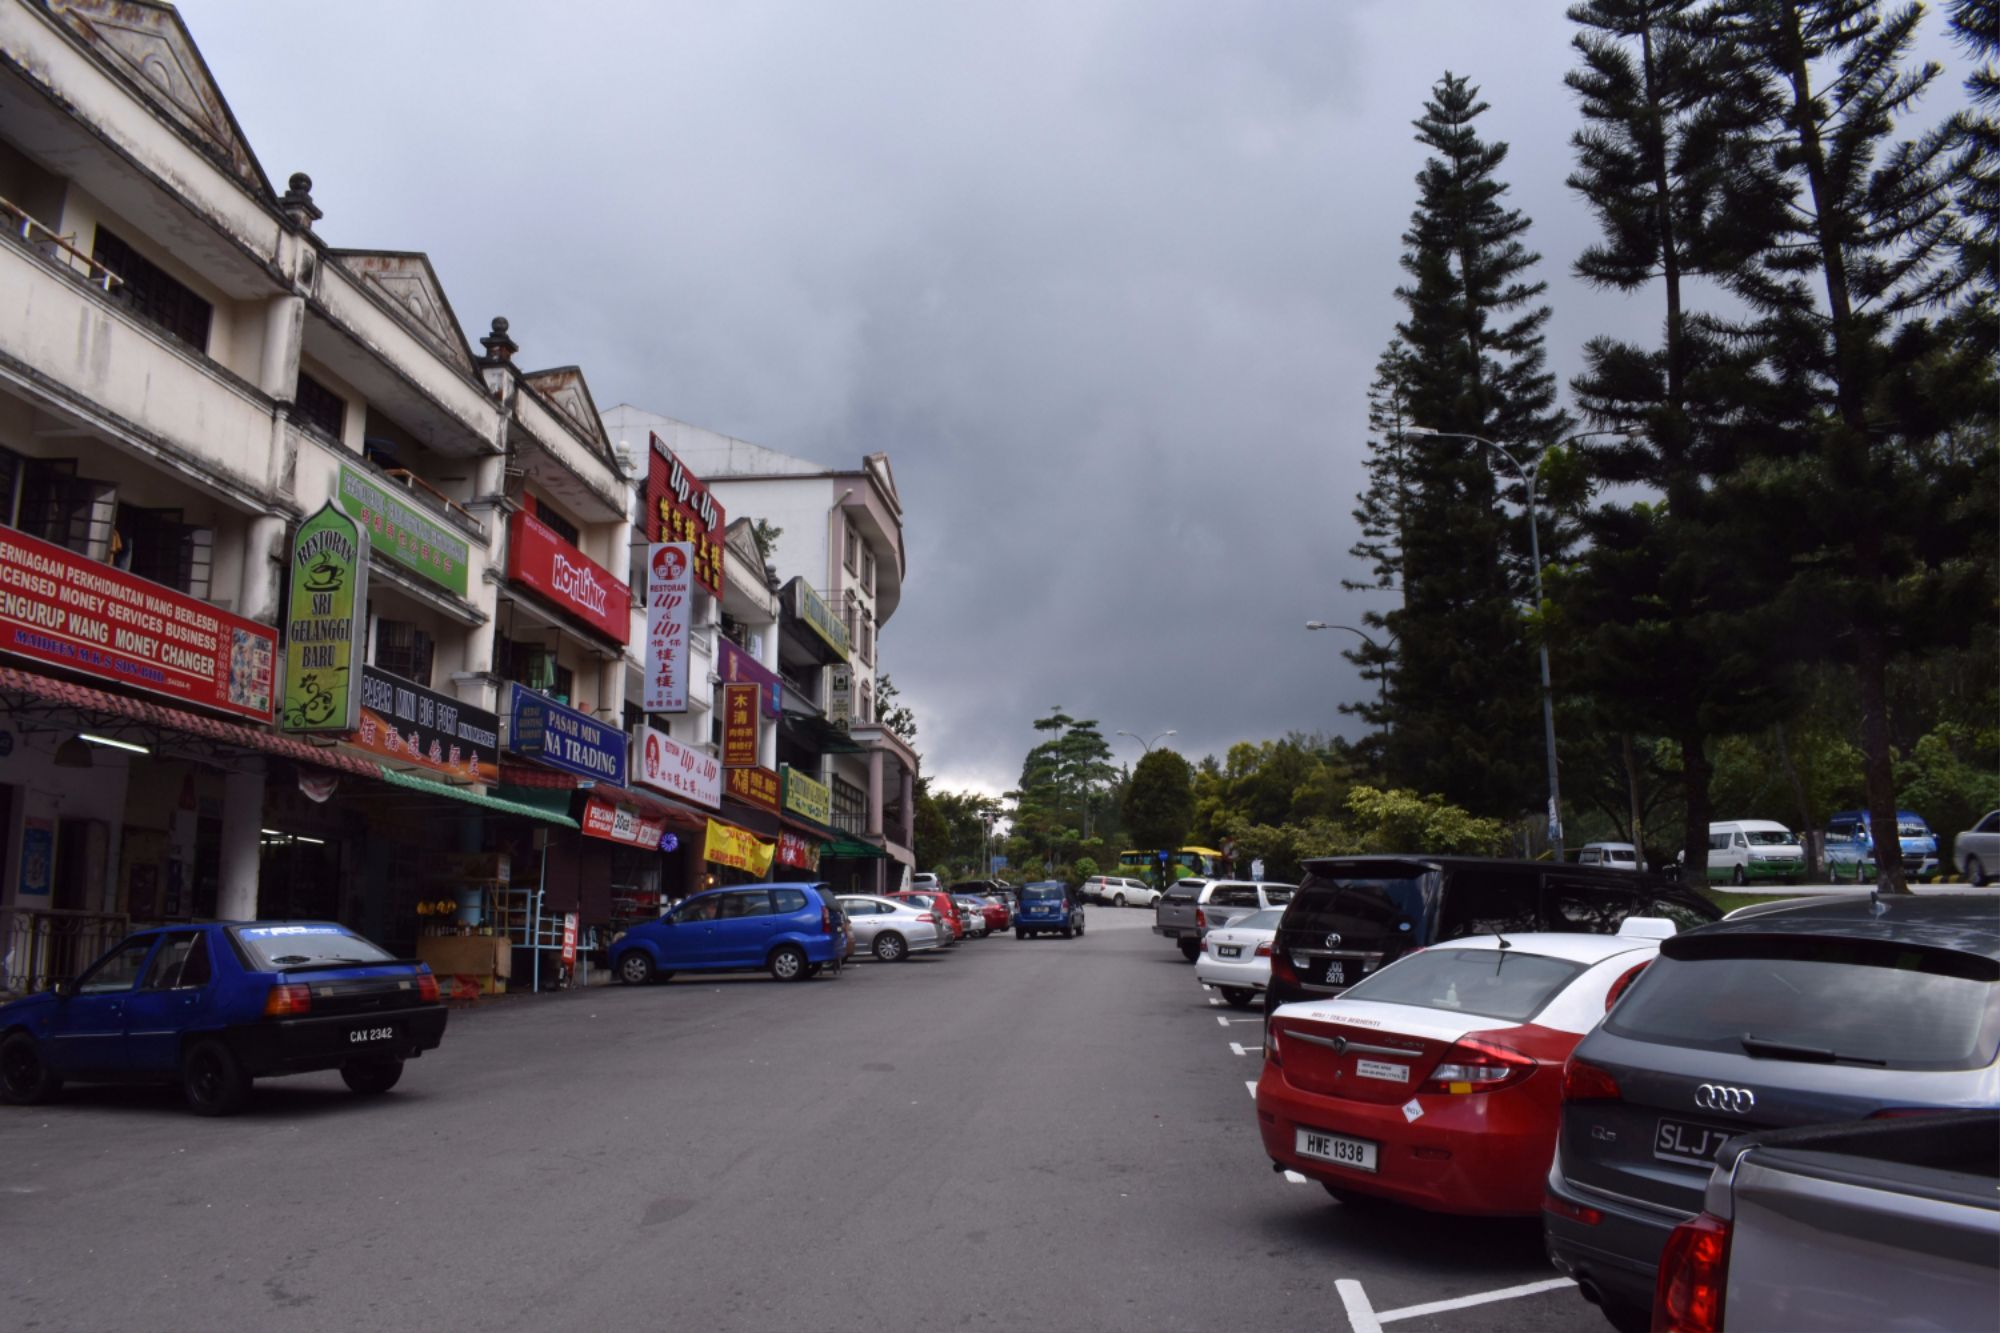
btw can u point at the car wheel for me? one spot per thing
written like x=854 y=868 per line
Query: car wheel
x=371 y=1077
x=890 y=948
x=1975 y=872
x=1119 y=901
x=634 y=968
x=1239 y=996
x=789 y=964
x=1020 y=934
x=213 y=1080
x=1079 y=927
x=1739 y=879
x=1190 y=949
x=24 y=1079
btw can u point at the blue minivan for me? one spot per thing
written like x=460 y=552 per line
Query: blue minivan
x=1046 y=909
x=793 y=930
x=1850 y=846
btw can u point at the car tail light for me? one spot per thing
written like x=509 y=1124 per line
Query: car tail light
x=1575 y=1212
x=1694 y=1272
x=1264 y=949
x=427 y=984
x=1281 y=967
x=929 y=918
x=1272 y=1055
x=1585 y=1082
x=1200 y=919
x=1623 y=984
x=825 y=921
x=289 y=1001
x=1478 y=1066
x=1204 y=944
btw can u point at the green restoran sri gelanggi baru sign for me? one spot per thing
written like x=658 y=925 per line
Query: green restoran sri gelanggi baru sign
x=402 y=532
x=324 y=624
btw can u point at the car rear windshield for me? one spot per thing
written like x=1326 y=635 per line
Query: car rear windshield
x=1871 y=1002
x=1338 y=902
x=1493 y=983
x=285 y=948
x=1912 y=831
x=1267 y=919
x=1042 y=892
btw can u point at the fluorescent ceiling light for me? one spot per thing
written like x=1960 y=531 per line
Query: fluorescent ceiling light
x=317 y=842
x=116 y=745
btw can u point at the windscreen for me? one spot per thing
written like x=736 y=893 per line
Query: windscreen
x=281 y=948
x=1912 y=831
x=1493 y=983
x=1036 y=893
x=1769 y=838
x=1870 y=1002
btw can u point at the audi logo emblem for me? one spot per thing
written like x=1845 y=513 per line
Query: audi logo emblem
x=1333 y=941
x=1721 y=1097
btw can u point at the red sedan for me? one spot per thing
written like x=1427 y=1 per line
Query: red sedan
x=940 y=902
x=1437 y=1081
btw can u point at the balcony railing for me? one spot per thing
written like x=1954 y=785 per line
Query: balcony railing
x=417 y=485
x=58 y=248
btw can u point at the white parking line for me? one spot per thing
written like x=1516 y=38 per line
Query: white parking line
x=1251 y=1084
x=1241 y=1049
x=1215 y=1002
x=1363 y=1317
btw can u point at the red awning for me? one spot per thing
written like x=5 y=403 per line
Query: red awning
x=105 y=705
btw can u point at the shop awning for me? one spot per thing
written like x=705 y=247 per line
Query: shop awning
x=473 y=797
x=853 y=848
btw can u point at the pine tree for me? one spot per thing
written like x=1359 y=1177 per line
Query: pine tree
x=1464 y=680
x=1383 y=514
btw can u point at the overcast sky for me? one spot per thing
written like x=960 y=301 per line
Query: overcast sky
x=1107 y=281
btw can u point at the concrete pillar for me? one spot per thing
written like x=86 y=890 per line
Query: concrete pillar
x=611 y=691
x=909 y=837
x=257 y=590
x=242 y=818
x=284 y=334
x=875 y=792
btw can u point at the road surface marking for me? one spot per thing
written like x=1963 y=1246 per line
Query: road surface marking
x=1251 y=1084
x=1363 y=1317
x=1296 y=1178
x=1241 y=1049
x=1360 y=1315
x=1223 y=1021
x=1213 y=1000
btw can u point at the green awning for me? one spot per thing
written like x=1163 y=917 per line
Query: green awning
x=473 y=796
x=852 y=847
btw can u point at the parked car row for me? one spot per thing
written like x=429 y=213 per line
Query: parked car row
x=1484 y=1037
x=1193 y=907
x=1747 y=851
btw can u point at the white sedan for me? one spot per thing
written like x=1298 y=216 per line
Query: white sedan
x=1236 y=958
x=890 y=930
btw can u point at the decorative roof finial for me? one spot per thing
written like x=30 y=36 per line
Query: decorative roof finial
x=298 y=202
x=499 y=347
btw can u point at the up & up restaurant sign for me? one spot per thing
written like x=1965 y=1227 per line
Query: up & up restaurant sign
x=564 y=738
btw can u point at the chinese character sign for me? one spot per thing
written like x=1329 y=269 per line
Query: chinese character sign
x=669 y=605
x=739 y=726
x=679 y=508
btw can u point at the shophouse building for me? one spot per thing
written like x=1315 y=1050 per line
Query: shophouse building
x=838 y=558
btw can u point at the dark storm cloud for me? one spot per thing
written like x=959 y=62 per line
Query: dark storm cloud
x=1107 y=281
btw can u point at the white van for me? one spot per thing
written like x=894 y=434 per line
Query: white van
x=1741 y=850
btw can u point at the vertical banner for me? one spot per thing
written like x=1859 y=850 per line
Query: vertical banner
x=840 y=695
x=739 y=725
x=325 y=623
x=569 y=939
x=669 y=604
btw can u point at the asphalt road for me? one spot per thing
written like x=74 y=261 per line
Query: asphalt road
x=1047 y=1134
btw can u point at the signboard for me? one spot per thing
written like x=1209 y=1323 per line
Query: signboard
x=569 y=939
x=819 y=617
x=755 y=786
x=807 y=797
x=562 y=737
x=739 y=725
x=403 y=721
x=404 y=533
x=664 y=764
x=62 y=608
x=797 y=850
x=735 y=665
x=38 y=856
x=538 y=558
x=679 y=508
x=728 y=845
x=840 y=696
x=326 y=624
x=669 y=603
x=621 y=823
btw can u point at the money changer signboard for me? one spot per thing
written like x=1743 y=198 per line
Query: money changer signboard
x=323 y=626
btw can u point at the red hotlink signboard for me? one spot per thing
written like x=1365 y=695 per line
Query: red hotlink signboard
x=71 y=611
x=680 y=509
x=540 y=559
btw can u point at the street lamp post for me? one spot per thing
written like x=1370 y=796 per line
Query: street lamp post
x=1530 y=477
x=1382 y=682
x=1149 y=744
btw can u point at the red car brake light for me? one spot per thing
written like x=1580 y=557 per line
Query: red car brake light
x=1623 y=984
x=1585 y=1082
x=1272 y=1055
x=289 y=1001
x=1473 y=1065
x=1264 y=949
x=427 y=984
x=1575 y=1212
x=1694 y=1274
x=1200 y=919
x=928 y=918
x=1281 y=966
x=825 y=920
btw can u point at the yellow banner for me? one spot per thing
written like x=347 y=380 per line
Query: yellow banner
x=728 y=846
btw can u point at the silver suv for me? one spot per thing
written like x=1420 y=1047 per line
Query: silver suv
x=1193 y=907
x=1799 y=1013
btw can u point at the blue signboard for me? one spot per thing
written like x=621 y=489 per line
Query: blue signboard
x=564 y=738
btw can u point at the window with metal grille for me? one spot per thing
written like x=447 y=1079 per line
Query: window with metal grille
x=401 y=649
x=71 y=511
x=319 y=406
x=562 y=526
x=151 y=294
x=155 y=544
x=534 y=666
x=850 y=807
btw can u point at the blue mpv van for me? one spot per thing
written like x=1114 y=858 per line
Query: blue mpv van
x=793 y=930
x=1850 y=846
x=1046 y=909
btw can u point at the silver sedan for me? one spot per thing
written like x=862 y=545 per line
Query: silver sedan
x=890 y=930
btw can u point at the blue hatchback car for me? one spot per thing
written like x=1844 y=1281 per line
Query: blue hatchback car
x=215 y=1005
x=1047 y=909
x=794 y=930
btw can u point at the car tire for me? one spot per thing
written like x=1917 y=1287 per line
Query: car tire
x=1020 y=934
x=212 y=1079
x=371 y=1078
x=1975 y=872
x=25 y=1078
x=788 y=963
x=1079 y=928
x=890 y=947
x=633 y=967
x=1119 y=901
x=1190 y=949
x=1240 y=997
x=1739 y=879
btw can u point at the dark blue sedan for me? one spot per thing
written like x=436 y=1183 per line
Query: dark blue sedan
x=213 y=1006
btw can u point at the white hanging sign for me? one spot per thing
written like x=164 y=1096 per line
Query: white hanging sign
x=669 y=608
